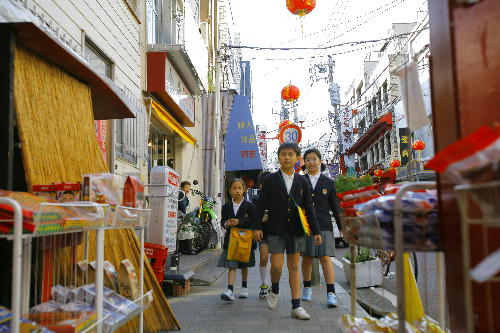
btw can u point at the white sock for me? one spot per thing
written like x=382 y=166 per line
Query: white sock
x=263 y=274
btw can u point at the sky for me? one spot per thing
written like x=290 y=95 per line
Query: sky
x=330 y=23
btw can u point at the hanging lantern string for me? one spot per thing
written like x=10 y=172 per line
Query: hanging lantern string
x=352 y=43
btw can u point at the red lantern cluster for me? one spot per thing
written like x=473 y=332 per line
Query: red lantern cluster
x=378 y=173
x=300 y=7
x=395 y=164
x=290 y=93
x=418 y=145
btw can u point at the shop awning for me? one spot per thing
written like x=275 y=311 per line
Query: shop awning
x=372 y=135
x=170 y=121
x=108 y=100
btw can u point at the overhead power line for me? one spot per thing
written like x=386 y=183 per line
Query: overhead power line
x=352 y=43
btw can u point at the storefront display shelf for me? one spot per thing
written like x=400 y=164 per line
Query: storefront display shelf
x=128 y=217
x=479 y=205
x=21 y=257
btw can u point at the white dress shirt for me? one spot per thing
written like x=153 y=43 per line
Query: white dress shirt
x=314 y=179
x=236 y=207
x=288 y=181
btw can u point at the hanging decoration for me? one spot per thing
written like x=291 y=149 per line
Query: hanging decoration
x=300 y=7
x=378 y=173
x=290 y=93
x=284 y=123
x=418 y=145
x=395 y=164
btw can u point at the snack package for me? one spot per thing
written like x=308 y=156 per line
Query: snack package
x=102 y=188
x=77 y=306
x=388 y=323
x=65 y=321
x=49 y=306
x=25 y=325
x=473 y=159
x=127 y=280
x=61 y=294
x=45 y=191
x=110 y=274
x=133 y=193
x=67 y=192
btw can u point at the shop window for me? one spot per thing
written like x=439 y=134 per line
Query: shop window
x=97 y=59
x=126 y=139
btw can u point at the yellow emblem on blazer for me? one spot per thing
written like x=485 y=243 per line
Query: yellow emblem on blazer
x=325 y=191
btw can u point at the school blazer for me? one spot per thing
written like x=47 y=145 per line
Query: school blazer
x=283 y=215
x=245 y=214
x=324 y=198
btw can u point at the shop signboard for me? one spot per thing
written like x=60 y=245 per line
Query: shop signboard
x=242 y=152
x=195 y=46
x=347 y=136
x=178 y=91
x=404 y=137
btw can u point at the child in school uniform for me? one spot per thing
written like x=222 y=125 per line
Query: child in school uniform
x=325 y=201
x=236 y=213
x=281 y=192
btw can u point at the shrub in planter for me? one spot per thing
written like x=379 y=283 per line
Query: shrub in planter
x=368 y=269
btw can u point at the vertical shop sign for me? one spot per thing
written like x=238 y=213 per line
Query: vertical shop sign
x=242 y=151
x=100 y=132
x=404 y=139
x=347 y=136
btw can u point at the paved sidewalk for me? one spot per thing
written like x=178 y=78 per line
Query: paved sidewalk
x=203 y=310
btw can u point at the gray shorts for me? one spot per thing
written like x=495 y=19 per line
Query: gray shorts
x=288 y=243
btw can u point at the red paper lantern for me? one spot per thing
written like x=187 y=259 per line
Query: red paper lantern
x=418 y=145
x=395 y=164
x=378 y=173
x=290 y=93
x=300 y=7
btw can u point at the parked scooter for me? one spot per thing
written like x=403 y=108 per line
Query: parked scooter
x=196 y=231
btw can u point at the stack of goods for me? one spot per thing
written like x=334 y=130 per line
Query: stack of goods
x=420 y=222
x=72 y=309
x=389 y=323
x=25 y=325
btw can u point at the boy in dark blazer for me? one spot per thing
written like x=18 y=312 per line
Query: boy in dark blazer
x=284 y=232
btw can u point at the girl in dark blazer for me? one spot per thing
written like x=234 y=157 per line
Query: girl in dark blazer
x=325 y=203
x=236 y=213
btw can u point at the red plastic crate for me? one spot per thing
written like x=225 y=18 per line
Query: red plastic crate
x=160 y=274
x=157 y=253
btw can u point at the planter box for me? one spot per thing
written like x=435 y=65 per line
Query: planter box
x=368 y=273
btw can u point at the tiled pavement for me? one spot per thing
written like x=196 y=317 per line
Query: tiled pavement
x=203 y=310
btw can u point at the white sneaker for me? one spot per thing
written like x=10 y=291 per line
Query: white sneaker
x=227 y=296
x=272 y=300
x=243 y=292
x=300 y=313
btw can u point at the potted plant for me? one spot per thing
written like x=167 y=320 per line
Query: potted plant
x=368 y=268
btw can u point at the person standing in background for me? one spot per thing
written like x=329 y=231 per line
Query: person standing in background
x=183 y=196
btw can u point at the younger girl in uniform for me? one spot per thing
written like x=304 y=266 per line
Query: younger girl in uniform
x=325 y=202
x=236 y=213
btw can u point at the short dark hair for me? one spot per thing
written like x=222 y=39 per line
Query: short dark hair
x=261 y=177
x=289 y=145
x=184 y=183
x=237 y=180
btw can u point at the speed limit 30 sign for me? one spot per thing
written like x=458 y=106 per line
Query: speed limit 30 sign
x=290 y=133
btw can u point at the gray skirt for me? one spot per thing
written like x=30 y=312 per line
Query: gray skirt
x=327 y=248
x=223 y=262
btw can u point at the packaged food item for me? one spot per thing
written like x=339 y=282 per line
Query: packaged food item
x=127 y=280
x=67 y=192
x=110 y=274
x=77 y=306
x=133 y=193
x=473 y=159
x=25 y=325
x=49 y=306
x=65 y=321
x=113 y=320
x=102 y=188
x=388 y=323
x=45 y=191
x=61 y=294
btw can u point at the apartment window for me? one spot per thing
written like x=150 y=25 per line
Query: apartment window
x=101 y=63
x=374 y=108
x=382 y=148
x=388 y=144
x=379 y=100
x=369 y=112
x=165 y=22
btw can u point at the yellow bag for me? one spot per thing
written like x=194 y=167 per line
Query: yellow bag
x=303 y=221
x=240 y=245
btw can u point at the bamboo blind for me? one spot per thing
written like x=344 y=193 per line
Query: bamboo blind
x=58 y=142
